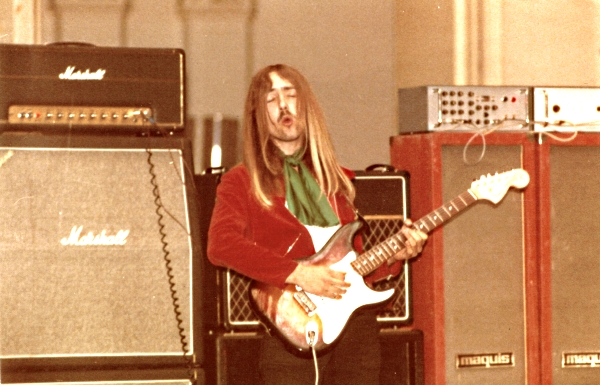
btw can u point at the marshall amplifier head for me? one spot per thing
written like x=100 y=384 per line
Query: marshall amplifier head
x=84 y=87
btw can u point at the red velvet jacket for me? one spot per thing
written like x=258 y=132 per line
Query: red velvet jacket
x=263 y=243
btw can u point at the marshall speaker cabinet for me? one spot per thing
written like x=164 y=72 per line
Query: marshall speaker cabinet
x=97 y=252
x=81 y=87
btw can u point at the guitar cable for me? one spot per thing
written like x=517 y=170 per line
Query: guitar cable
x=190 y=362
x=314 y=353
x=312 y=332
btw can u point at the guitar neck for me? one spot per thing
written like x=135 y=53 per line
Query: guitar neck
x=369 y=261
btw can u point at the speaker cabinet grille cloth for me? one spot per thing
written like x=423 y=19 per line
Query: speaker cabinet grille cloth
x=573 y=260
x=483 y=270
x=82 y=268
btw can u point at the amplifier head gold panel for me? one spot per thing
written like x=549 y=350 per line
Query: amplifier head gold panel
x=88 y=116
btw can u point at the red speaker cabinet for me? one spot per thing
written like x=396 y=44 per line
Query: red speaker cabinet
x=475 y=287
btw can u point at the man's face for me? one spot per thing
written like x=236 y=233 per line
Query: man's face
x=285 y=131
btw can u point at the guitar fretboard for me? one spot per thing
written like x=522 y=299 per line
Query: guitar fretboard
x=369 y=261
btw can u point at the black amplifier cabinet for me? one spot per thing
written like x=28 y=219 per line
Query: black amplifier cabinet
x=382 y=200
x=72 y=86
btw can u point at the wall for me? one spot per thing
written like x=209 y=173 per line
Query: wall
x=551 y=42
x=346 y=50
x=424 y=43
x=6 y=26
x=355 y=53
x=498 y=42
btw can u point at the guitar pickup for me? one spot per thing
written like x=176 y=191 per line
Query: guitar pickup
x=304 y=301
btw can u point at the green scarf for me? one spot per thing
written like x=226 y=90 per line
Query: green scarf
x=303 y=195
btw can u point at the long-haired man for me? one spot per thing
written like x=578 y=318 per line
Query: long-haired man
x=283 y=203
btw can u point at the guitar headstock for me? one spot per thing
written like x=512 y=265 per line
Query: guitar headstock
x=494 y=187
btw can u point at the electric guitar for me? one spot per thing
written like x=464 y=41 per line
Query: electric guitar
x=304 y=320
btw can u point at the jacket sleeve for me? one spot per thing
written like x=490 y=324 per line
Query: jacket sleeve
x=230 y=242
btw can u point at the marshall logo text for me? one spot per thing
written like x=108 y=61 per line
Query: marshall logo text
x=71 y=74
x=76 y=238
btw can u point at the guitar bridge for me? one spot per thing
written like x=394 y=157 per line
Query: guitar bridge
x=303 y=300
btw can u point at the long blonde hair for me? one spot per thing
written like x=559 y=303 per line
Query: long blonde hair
x=261 y=156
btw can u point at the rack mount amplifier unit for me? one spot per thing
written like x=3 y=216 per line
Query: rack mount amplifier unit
x=441 y=108
x=503 y=108
x=566 y=109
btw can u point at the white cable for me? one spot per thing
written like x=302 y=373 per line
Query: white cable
x=483 y=148
x=312 y=336
x=314 y=353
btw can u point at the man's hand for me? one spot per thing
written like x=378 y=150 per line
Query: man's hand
x=319 y=280
x=415 y=240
